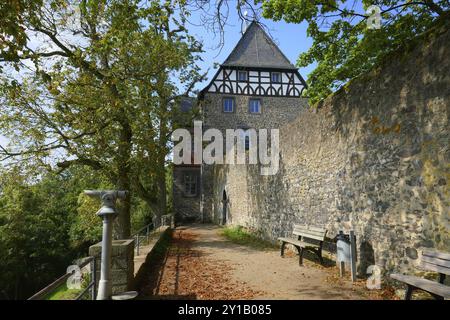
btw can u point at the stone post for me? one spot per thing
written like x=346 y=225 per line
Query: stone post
x=122 y=264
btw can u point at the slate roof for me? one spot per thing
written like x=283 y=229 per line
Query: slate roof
x=256 y=49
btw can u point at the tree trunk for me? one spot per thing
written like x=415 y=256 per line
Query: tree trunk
x=162 y=194
x=122 y=225
x=122 y=228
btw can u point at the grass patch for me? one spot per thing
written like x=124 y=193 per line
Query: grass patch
x=63 y=293
x=241 y=236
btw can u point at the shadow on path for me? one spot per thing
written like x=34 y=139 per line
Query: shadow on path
x=199 y=263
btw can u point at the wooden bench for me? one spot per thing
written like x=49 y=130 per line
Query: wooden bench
x=305 y=238
x=431 y=261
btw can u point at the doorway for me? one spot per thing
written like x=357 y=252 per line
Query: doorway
x=224 y=209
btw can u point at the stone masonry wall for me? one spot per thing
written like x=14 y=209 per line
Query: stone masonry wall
x=186 y=208
x=275 y=112
x=122 y=264
x=373 y=157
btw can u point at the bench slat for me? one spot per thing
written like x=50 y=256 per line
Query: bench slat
x=424 y=284
x=299 y=243
x=317 y=229
x=432 y=267
x=436 y=261
x=310 y=236
x=436 y=254
x=300 y=228
x=309 y=231
x=309 y=228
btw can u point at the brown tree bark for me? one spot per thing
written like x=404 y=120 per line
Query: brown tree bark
x=122 y=228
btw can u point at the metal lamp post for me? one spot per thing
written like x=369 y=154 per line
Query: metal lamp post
x=108 y=213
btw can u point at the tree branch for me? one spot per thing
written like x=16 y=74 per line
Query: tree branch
x=80 y=161
x=48 y=147
x=83 y=63
x=190 y=87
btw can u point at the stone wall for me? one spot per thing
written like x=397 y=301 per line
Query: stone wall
x=275 y=112
x=373 y=157
x=122 y=264
x=186 y=207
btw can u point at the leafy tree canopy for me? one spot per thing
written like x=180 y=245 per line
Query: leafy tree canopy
x=35 y=220
x=343 y=45
x=90 y=83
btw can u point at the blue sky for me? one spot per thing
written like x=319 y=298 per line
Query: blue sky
x=291 y=39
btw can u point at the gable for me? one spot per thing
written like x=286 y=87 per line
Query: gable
x=256 y=49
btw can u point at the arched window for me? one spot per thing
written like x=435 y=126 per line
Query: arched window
x=246 y=137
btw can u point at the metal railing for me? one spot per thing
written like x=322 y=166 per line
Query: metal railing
x=143 y=234
x=167 y=220
x=91 y=287
x=139 y=236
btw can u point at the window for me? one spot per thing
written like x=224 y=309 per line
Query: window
x=254 y=106
x=276 y=77
x=190 y=184
x=242 y=75
x=246 y=136
x=228 y=105
x=247 y=142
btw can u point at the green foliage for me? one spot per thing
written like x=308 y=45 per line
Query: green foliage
x=86 y=227
x=240 y=236
x=12 y=15
x=142 y=214
x=43 y=227
x=169 y=188
x=343 y=46
x=34 y=245
x=87 y=94
x=98 y=92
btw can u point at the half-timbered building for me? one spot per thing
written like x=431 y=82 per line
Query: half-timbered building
x=256 y=87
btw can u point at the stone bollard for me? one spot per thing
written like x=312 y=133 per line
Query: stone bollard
x=122 y=264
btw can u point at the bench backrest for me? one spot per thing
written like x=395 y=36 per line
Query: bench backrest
x=309 y=232
x=436 y=261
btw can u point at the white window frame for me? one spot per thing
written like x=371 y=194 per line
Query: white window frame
x=232 y=104
x=250 y=105
x=242 y=72
x=279 y=77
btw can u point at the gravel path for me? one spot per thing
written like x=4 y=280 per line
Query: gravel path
x=202 y=264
